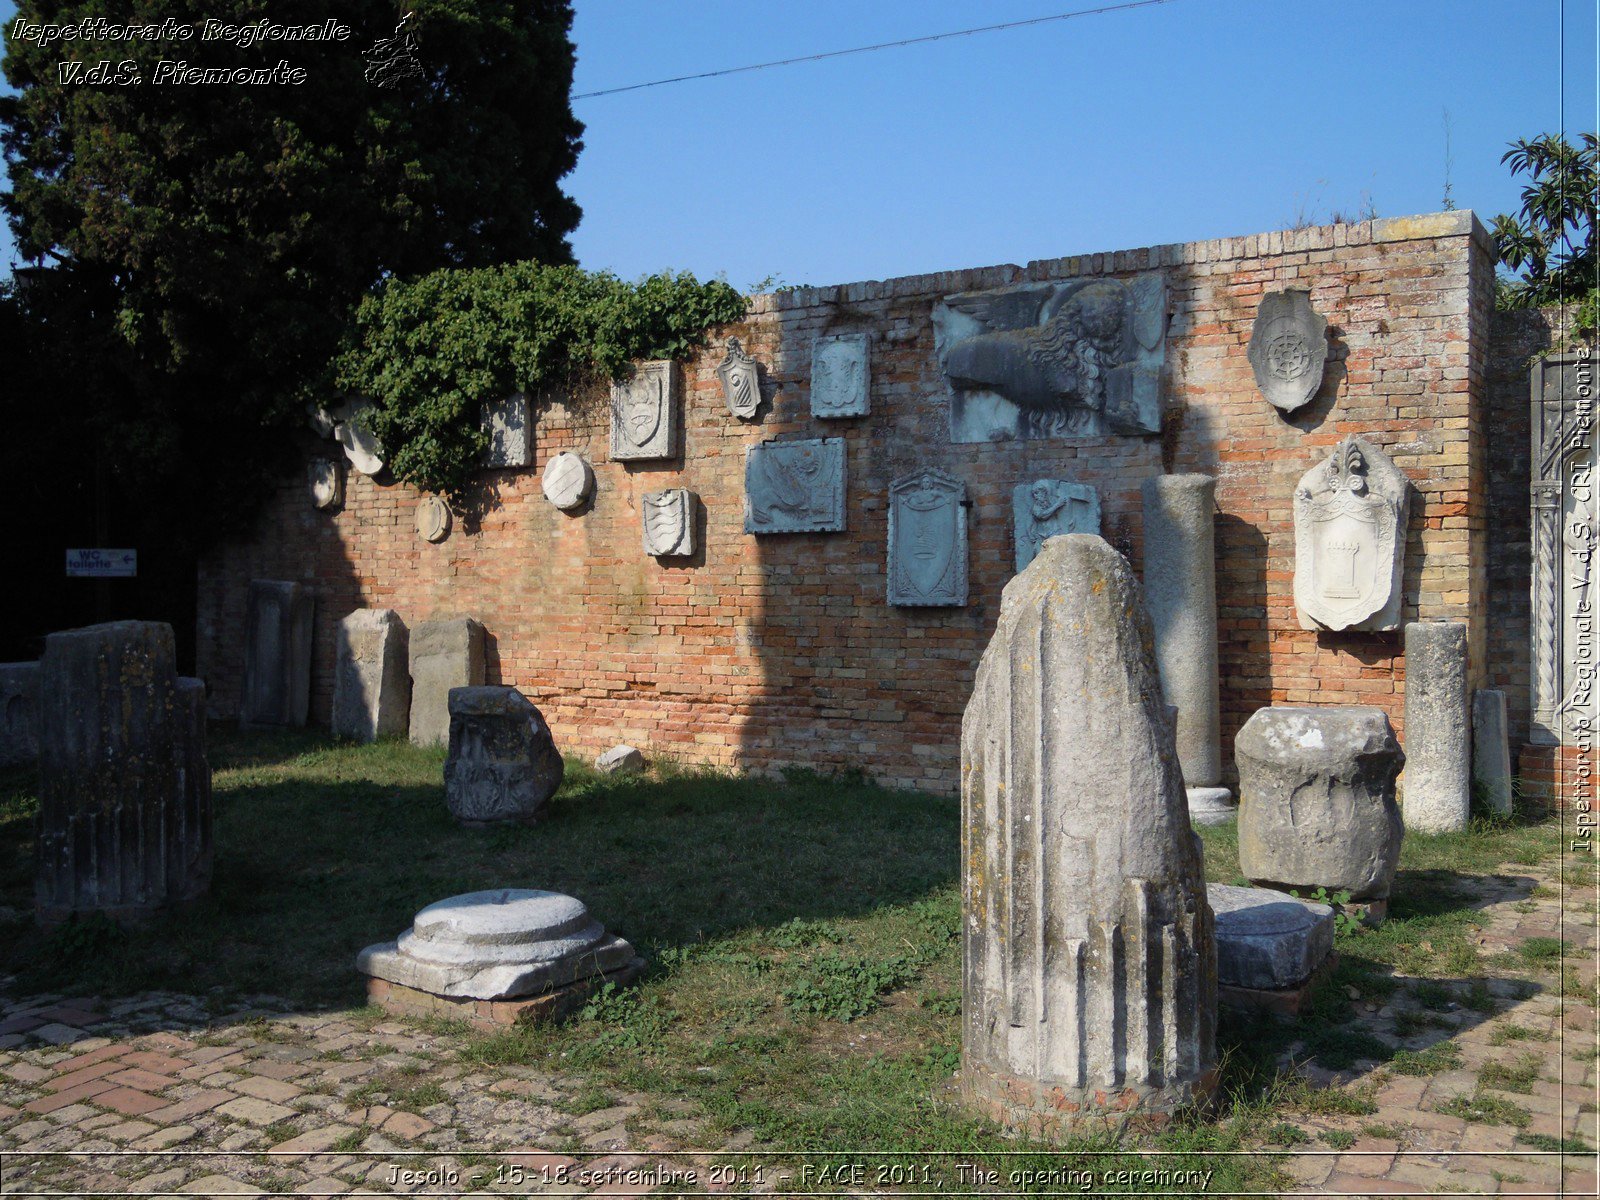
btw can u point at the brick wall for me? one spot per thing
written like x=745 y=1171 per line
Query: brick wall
x=762 y=652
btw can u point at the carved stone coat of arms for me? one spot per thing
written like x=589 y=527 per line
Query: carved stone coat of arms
x=644 y=413
x=1349 y=536
x=927 y=540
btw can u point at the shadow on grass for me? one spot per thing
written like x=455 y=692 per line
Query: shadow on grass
x=322 y=848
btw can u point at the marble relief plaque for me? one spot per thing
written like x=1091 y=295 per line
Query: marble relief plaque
x=1048 y=507
x=668 y=521
x=325 y=476
x=568 y=481
x=741 y=381
x=433 y=519
x=1288 y=347
x=1081 y=358
x=1350 y=539
x=841 y=375
x=927 y=540
x=644 y=413
x=794 y=487
x=510 y=430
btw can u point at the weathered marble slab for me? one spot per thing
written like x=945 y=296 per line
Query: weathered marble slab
x=667 y=519
x=644 y=413
x=1049 y=508
x=1437 y=784
x=371 y=683
x=795 y=487
x=325 y=478
x=927 y=540
x=433 y=519
x=741 y=381
x=445 y=654
x=277 y=654
x=1350 y=516
x=1288 y=348
x=1082 y=358
x=841 y=375
x=509 y=425
x=1491 y=750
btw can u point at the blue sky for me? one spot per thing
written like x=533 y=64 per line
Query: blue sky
x=1191 y=119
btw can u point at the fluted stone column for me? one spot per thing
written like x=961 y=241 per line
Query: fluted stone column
x=1437 y=783
x=124 y=789
x=1180 y=585
x=1089 y=976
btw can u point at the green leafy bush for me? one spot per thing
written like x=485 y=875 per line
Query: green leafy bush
x=843 y=989
x=428 y=352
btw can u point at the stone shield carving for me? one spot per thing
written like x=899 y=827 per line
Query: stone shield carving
x=927 y=540
x=359 y=443
x=841 y=375
x=1349 y=533
x=668 y=521
x=433 y=519
x=1288 y=347
x=644 y=413
x=325 y=476
x=1047 y=508
x=1076 y=359
x=794 y=487
x=741 y=381
x=567 y=481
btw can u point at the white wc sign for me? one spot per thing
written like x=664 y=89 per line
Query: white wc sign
x=102 y=564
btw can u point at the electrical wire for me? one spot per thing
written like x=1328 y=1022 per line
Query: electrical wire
x=932 y=37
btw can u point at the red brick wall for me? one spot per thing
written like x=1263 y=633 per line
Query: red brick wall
x=762 y=652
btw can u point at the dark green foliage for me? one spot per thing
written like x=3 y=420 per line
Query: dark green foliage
x=429 y=352
x=844 y=988
x=1550 y=240
x=205 y=244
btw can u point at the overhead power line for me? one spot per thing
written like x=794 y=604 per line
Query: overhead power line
x=915 y=41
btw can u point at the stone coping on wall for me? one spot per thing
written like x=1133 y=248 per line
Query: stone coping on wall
x=1460 y=222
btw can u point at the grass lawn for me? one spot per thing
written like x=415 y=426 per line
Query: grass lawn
x=804 y=988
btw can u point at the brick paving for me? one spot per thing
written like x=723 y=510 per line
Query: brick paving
x=154 y=1094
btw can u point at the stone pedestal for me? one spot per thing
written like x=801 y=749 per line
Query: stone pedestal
x=1316 y=800
x=509 y=956
x=1491 y=750
x=444 y=654
x=1089 y=985
x=1180 y=586
x=1437 y=786
x=124 y=789
x=277 y=654
x=371 y=686
x=1269 y=946
x=503 y=764
x=19 y=698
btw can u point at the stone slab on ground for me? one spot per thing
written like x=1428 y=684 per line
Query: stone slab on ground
x=1268 y=940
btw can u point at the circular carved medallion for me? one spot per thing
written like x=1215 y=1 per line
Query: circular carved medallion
x=567 y=481
x=1288 y=356
x=433 y=519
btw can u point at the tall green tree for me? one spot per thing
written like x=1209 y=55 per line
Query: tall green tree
x=217 y=236
x=1550 y=241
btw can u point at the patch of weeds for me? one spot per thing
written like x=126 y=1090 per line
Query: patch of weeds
x=364 y=1093
x=346 y=1143
x=844 y=988
x=800 y=934
x=264 y=1030
x=1409 y=1024
x=1542 y=951
x=279 y=1131
x=1338 y=1047
x=1285 y=1134
x=1393 y=1133
x=582 y=1103
x=366 y=1017
x=1504 y=1035
x=1519 y=1076
x=1577 y=985
x=1479 y=999
x=1566 y=1145
x=1524 y=906
x=634 y=1019
x=1441 y=1056
x=437 y=1026
x=1487 y=1110
x=424 y=1095
x=1430 y=993
x=1339 y=1139
x=1543 y=892
x=945 y=1004
x=1302 y=1096
x=938 y=917
x=1584 y=1053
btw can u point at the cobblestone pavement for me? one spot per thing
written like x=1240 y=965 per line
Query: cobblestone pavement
x=156 y=1094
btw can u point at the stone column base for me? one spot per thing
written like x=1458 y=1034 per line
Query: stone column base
x=1049 y=1112
x=1285 y=1002
x=1211 y=805
x=490 y=1015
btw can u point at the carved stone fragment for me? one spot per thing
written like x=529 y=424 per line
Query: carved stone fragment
x=433 y=519
x=1288 y=347
x=644 y=413
x=667 y=518
x=1075 y=359
x=1350 y=515
x=1048 y=508
x=794 y=487
x=503 y=764
x=741 y=381
x=927 y=540
x=1437 y=784
x=1089 y=983
x=841 y=375
x=444 y=654
x=360 y=443
x=568 y=481
x=1491 y=750
x=510 y=428
x=277 y=654
x=325 y=476
x=371 y=685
